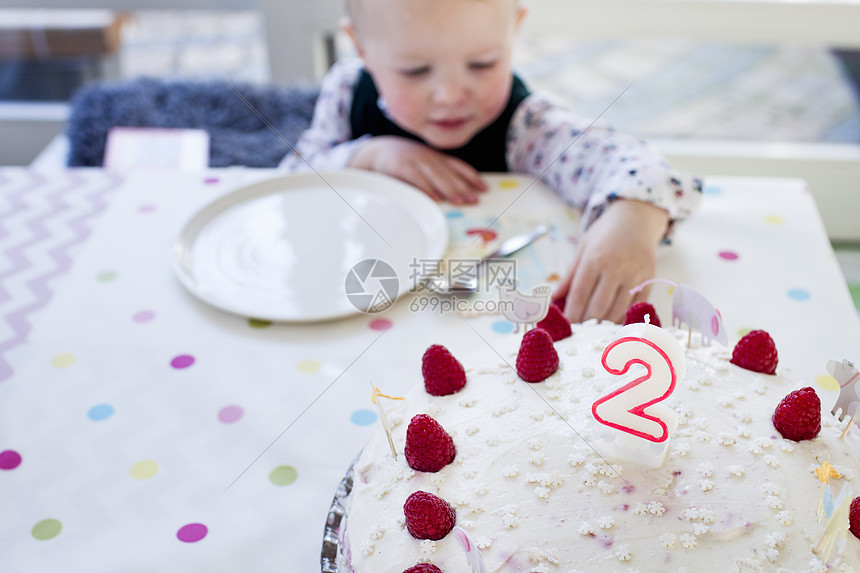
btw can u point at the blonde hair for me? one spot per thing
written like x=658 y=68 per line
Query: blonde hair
x=353 y=9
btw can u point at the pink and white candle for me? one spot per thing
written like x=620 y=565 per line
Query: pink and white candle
x=473 y=556
x=635 y=420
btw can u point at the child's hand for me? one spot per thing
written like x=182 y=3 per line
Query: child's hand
x=617 y=253
x=440 y=176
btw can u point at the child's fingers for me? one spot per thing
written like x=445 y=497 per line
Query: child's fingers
x=640 y=295
x=602 y=300
x=626 y=300
x=579 y=295
x=564 y=287
x=428 y=190
x=458 y=182
x=419 y=179
x=435 y=180
x=622 y=303
x=468 y=173
x=449 y=184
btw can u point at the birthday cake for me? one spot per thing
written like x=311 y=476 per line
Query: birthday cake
x=512 y=465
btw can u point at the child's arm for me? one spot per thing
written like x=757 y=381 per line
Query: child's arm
x=617 y=252
x=629 y=195
x=440 y=176
x=328 y=142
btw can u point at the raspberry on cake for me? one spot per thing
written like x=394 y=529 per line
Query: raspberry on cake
x=443 y=374
x=854 y=517
x=798 y=415
x=429 y=448
x=637 y=312
x=428 y=516
x=555 y=324
x=423 y=568
x=757 y=352
x=537 y=358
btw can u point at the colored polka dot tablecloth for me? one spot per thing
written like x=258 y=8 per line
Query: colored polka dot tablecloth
x=143 y=430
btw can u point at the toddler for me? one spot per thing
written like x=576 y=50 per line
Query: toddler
x=433 y=101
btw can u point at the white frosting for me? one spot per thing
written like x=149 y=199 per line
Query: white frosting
x=534 y=496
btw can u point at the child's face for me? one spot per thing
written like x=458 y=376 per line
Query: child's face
x=443 y=67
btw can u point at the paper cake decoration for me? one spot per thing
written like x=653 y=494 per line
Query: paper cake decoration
x=524 y=310
x=691 y=308
x=847 y=376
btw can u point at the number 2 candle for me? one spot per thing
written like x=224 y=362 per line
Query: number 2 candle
x=634 y=410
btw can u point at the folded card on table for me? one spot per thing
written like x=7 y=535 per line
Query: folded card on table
x=129 y=148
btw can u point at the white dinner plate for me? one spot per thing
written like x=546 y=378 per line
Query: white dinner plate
x=307 y=247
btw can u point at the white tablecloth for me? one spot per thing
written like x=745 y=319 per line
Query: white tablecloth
x=143 y=430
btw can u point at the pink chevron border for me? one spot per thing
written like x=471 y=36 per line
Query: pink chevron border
x=14 y=248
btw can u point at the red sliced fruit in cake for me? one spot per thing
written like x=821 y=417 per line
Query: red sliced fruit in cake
x=428 y=516
x=423 y=568
x=637 y=312
x=798 y=415
x=429 y=448
x=537 y=358
x=443 y=374
x=757 y=352
x=555 y=323
x=854 y=517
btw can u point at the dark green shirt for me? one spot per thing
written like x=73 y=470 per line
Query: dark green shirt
x=485 y=152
